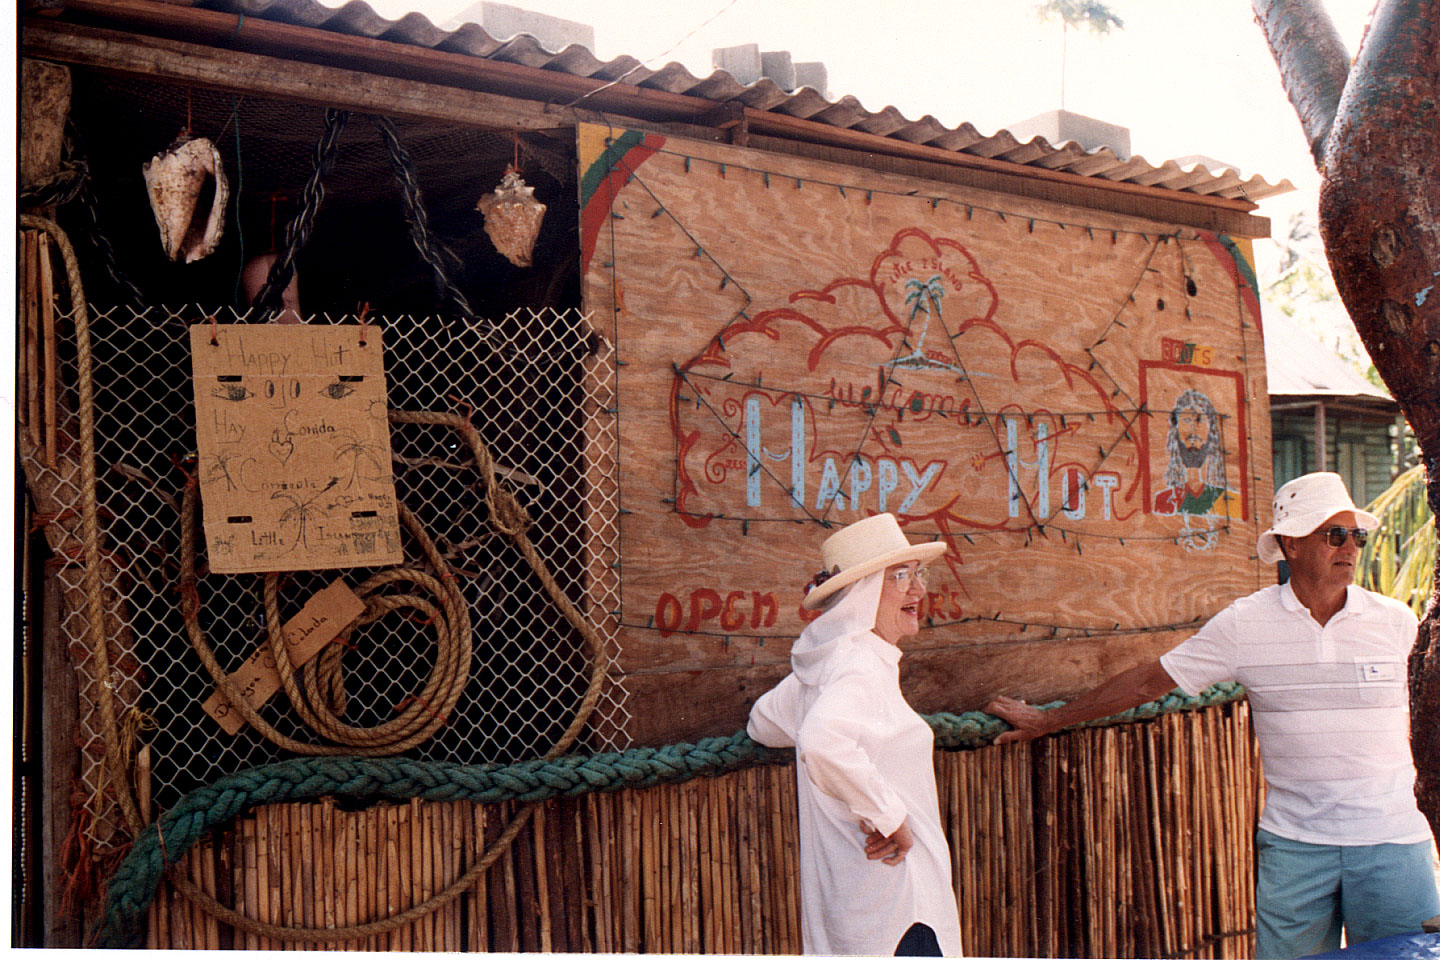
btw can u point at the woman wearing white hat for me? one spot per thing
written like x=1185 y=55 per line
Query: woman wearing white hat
x=874 y=864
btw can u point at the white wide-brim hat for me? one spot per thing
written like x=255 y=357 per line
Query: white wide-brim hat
x=865 y=547
x=1302 y=505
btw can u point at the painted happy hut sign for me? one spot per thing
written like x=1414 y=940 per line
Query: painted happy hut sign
x=1059 y=395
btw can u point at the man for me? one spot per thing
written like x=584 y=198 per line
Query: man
x=1194 y=480
x=1341 y=841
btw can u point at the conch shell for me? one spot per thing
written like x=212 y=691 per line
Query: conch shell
x=512 y=217
x=176 y=180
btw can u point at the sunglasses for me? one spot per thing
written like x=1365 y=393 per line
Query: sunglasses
x=1335 y=536
x=903 y=575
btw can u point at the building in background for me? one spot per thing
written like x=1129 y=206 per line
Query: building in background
x=1315 y=394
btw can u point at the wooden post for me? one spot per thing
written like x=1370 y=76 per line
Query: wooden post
x=60 y=759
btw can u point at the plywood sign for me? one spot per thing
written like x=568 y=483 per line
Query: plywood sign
x=294 y=447
x=1065 y=398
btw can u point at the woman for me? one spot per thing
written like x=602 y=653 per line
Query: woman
x=874 y=865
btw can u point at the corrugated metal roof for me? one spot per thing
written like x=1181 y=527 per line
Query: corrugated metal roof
x=359 y=19
x=1298 y=364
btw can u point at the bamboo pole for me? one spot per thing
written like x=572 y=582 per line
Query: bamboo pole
x=510 y=915
x=389 y=824
x=673 y=871
x=32 y=339
x=250 y=880
x=23 y=294
x=452 y=838
x=47 y=324
x=347 y=893
x=142 y=801
x=322 y=832
x=271 y=892
x=597 y=888
x=422 y=820
x=312 y=883
x=211 y=874
x=790 y=823
x=372 y=843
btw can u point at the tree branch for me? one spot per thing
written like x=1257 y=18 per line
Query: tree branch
x=1313 y=64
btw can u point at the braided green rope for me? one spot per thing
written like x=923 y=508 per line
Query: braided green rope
x=168 y=840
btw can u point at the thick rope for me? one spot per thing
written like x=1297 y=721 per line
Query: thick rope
x=115 y=766
x=209 y=808
x=508 y=517
x=317 y=704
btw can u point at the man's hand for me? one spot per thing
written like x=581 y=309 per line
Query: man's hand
x=891 y=849
x=1029 y=722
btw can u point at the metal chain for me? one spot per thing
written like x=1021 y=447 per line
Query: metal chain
x=431 y=250
x=297 y=234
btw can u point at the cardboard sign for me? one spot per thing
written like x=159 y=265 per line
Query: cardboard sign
x=294 y=444
x=306 y=634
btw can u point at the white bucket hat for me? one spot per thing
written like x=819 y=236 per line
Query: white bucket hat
x=865 y=547
x=1302 y=505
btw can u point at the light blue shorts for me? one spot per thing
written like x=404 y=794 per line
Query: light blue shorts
x=1306 y=892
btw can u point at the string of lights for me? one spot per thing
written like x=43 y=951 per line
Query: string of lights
x=1129 y=413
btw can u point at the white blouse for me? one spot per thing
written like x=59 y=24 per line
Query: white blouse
x=863 y=758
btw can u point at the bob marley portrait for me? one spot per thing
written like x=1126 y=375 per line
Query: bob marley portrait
x=1194 y=480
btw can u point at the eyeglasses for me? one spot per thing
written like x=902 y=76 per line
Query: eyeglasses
x=903 y=575
x=1335 y=536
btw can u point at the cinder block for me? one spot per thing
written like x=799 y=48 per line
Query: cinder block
x=502 y=21
x=777 y=65
x=1060 y=126
x=813 y=75
x=742 y=62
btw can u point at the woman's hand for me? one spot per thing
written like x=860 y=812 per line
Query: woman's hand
x=891 y=849
x=1028 y=722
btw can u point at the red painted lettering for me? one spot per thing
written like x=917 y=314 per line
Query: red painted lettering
x=704 y=605
x=730 y=618
x=765 y=609
x=668 y=614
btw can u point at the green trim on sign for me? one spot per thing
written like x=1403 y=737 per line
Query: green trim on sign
x=1242 y=264
x=596 y=173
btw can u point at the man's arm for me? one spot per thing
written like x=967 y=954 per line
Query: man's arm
x=1121 y=692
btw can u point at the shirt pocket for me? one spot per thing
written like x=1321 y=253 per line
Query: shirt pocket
x=1380 y=681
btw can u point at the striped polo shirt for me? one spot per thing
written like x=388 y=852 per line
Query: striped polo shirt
x=1330 y=706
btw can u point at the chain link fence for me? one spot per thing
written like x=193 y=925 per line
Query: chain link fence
x=539 y=388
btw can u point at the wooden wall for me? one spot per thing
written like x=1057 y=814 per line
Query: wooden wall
x=801 y=344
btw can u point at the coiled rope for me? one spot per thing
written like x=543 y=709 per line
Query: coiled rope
x=201 y=811
x=507 y=516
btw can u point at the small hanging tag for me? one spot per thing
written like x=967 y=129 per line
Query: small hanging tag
x=306 y=634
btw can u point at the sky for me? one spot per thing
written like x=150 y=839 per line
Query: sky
x=1187 y=78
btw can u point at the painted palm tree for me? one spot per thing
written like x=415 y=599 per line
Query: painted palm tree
x=922 y=296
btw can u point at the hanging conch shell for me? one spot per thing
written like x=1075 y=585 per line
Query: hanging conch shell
x=175 y=180
x=512 y=217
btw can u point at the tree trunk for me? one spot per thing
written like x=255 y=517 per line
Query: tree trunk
x=1379 y=204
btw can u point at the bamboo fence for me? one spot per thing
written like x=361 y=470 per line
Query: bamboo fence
x=1125 y=841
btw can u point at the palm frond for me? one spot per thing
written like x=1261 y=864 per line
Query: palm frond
x=1399 y=560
